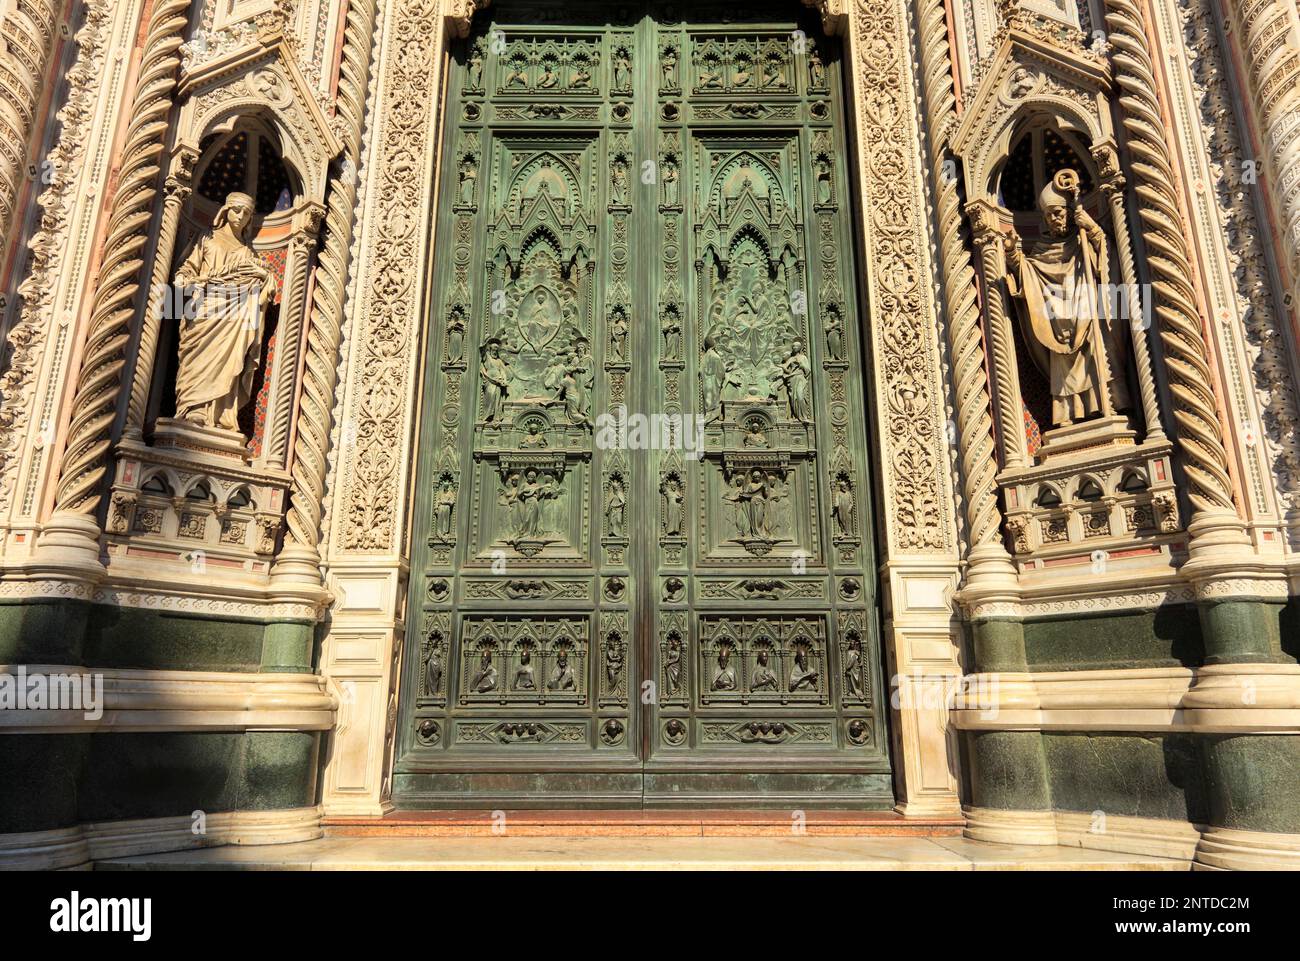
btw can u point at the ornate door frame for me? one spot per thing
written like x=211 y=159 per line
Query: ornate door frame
x=367 y=555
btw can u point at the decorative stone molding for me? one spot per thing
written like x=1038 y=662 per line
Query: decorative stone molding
x=1217 y=699
x=187 y=602
x=183 y=701
x=74 y=847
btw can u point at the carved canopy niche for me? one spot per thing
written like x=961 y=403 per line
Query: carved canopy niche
x=1077 y=474
x=246 y=122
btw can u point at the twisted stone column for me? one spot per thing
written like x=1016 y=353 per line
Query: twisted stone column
x=1266 y=34
x=972 y=403
x=177 y=188
x=299 y=558
x=69 y=541
x=27 y=33
x=1215 y=522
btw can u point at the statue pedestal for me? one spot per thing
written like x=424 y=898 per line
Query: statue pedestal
x=182 y=435
x=1086 y=438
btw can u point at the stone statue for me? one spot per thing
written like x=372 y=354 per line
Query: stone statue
x=229 y=288
x=834 y=336
x=1060 y=284
x=622 y=70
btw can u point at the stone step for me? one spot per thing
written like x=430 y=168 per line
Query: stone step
x=642 y=823
x=604 y=853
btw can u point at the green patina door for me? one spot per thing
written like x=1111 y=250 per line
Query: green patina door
x=643 y=560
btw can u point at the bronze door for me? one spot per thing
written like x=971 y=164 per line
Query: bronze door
x=643 y=567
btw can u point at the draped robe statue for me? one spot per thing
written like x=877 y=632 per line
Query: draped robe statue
x=220 y=345
x=1061 y=285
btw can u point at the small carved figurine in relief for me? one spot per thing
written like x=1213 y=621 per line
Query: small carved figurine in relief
x=549 y=77
x=221 y=339
x=853 y=669
x=613 y=660
x=801 y=676
x=581 y=76
x=754 y=436
x=485 y=679
x=525 y=679
x=517 y=76
x=433 y=667
x=509 y=499
x=534 y=438
x=670 y=182
x=672 y=326
x=754 y=498
x=578 y=378
x=562 y=678
x=673 y=664
x=816 y=68
x=834 y=335
x=843 y=508
x=476 y=66
x=669 y=68
x=622 y=70
x=444 y=505
x=496 y=380
x=468 y=175
x=616 y=508
x=823 y=181
x=713 y=376
x=456 y=334
x=1059 y=284
x=618 y=335
x=794 y=373
x=620 y=181
x=724 y=678
x=764 y=678
x=672 y=493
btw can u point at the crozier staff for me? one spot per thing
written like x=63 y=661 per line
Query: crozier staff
x=229 y=288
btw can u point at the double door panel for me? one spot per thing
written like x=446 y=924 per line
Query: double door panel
x=642 y=571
